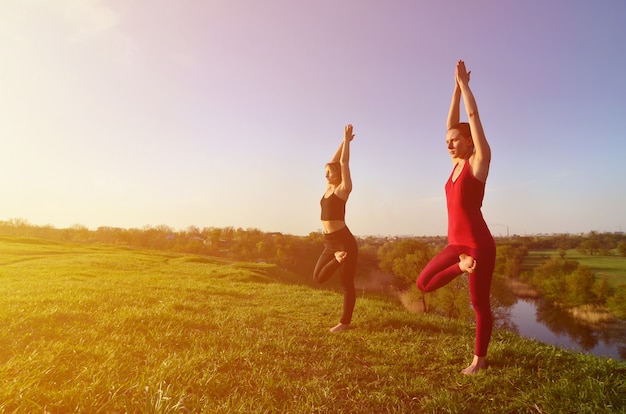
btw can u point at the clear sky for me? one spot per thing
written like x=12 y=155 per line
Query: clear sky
x=133 y=113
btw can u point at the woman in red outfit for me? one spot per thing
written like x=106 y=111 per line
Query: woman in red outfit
x=471 y=248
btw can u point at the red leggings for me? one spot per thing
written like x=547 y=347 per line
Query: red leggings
x=444 y=267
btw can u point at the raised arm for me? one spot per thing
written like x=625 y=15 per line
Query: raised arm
x=453 y=114
x=482 y=156
x=345 y=187
x=337 y=156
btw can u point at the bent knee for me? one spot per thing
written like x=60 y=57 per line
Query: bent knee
x=421 y=286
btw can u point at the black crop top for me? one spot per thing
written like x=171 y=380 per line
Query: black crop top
x=333 y=208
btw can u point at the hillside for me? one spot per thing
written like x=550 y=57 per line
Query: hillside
x=96 y=328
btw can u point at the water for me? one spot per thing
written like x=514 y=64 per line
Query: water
x=538 y=320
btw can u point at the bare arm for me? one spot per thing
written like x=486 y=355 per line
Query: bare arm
x=482 y=156
x=453 y=114
x=345 y=187
x=337 y=156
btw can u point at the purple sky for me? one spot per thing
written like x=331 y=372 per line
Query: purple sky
x=223 y=113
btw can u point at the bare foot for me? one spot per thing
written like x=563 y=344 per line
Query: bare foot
x=341 y=256
x=477 y=364
x=467 y=263
x=340 y=327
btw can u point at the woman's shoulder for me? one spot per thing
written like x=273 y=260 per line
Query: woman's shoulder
x=479 y=169
x=342 y=193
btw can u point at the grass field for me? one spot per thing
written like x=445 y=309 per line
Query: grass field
x=101 y=329
x=613 y=268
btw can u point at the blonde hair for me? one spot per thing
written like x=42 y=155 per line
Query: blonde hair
x=463 y=128
x=335 y=166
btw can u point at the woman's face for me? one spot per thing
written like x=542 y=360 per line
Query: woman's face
x=333 y=175
x=458 y=145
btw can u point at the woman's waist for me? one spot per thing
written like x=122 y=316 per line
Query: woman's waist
x=331 y=226
x=471 y=239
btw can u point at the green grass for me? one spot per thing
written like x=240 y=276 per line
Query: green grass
x=112 y=330
x=613 y=268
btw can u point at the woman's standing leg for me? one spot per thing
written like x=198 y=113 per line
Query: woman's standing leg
x=480 y=293
x=348 y=271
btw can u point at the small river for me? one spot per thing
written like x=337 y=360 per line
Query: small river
x=537 y=320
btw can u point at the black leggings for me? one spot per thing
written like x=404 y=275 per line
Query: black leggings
x=327 y=265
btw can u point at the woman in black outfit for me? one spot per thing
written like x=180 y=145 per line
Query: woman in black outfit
x=340 y=247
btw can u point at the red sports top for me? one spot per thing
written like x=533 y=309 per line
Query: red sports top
x=466 y=225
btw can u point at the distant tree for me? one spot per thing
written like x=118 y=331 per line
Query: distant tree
x=368 y=259
x=407 y=268
x=617 y=302
x=78 y=233
x=503 y=252
x=565 y=241
x=228 y=234
x=621 y=248
x=603 y=290
x=403 y=259
x=550 y=278
x=194 y=245
x=19 y=223
x=212 y=234
x=316 y=237
x=579 y=287
x=509 y=259
x=591 y=244
x=368 y=254
x=193 y=231
x=111 y=235
x=48 y=232
x=604 y=243
x=161 y=237
x=452 y=301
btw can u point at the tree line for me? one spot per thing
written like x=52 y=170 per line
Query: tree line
x=559 y=280
x=563 y=282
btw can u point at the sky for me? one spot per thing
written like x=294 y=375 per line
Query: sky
x=215 y=113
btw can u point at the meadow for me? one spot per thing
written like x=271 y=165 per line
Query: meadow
x=111 y=329
x=613 y=268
